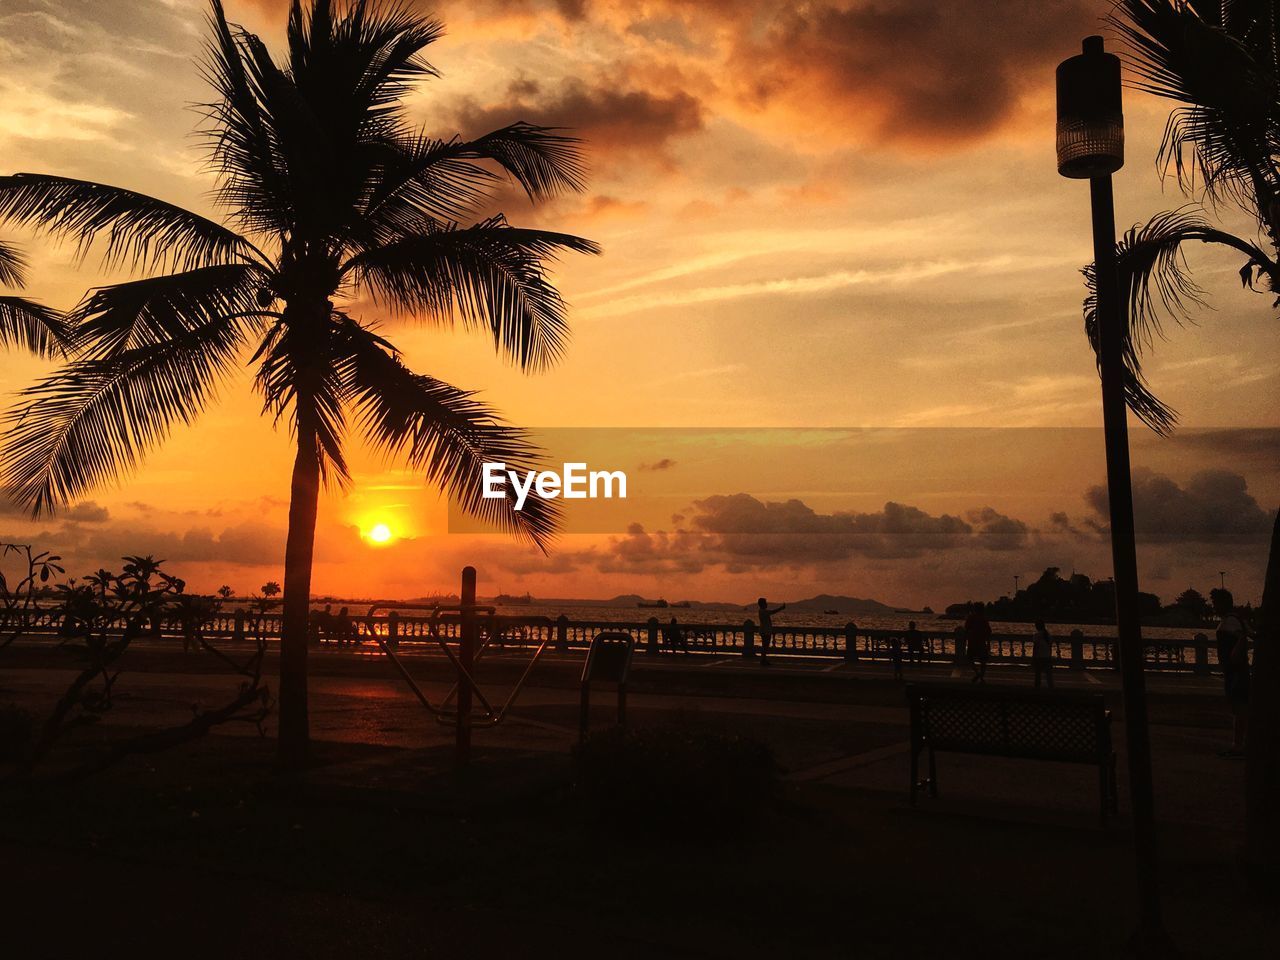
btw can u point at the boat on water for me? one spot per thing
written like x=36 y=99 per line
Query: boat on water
x=658 y=604
x=831 y=612
x=508 y=600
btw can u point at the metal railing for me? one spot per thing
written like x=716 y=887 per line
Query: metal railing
x=849 y=643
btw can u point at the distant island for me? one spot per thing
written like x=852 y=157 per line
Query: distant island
x=1079 y=599
x=824 y=603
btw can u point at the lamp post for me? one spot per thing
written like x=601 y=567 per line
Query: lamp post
x=1090 y=145
x=1016 y=578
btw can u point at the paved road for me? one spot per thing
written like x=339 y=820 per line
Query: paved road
x=844 y=724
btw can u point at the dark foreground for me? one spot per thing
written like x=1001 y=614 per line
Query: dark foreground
x=380 y=851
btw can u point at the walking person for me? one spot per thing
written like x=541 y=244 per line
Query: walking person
x=766 y=627
x=977 y=632
x=1233 y=657
x=1042 y=655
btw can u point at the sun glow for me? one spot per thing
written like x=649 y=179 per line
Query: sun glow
x=380 y=534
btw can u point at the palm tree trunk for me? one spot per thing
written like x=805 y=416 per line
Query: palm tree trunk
x=294 y=739
x=1262 y=783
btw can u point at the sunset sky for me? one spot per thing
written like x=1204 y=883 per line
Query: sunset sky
x=814 y=215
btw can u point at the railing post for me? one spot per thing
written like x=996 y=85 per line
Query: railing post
x=1077 y=649
x=1202 y=653
x=651 y=646
x=393 y=629
x=562 y=634
x=237 y=631
x=748 y=638
x=851 y=641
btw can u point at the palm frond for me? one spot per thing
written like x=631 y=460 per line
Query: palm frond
x=252 y=174
x=95 y=419
x=416 y=183
x=543 y=160
x=447 y=179
x=1220 y=63
x=1154 y=285
x=361 y=62
x=126 y=316
x=444 y=432
x=34 y=327
x=13 y=267
x=141 y=232
x=491 y=275
x=302 y=375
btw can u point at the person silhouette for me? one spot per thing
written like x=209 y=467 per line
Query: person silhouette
x=766 y=628
x=977 y=632
x=324 y=623
x=895 y=655
x=915 y=642
x=1042 y=655
x=1233 y=657
x=343 y=627
x=675 y=637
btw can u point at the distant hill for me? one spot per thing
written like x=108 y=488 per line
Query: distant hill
x=845 y=606
x=848 y=606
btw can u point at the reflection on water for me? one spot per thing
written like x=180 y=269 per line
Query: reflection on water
x=894 y=621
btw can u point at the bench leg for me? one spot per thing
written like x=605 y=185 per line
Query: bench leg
x=1104 y=793
x=1109 y=794
x=584 y=712
x=622 y=704
x=933 y=775
x=915 y=772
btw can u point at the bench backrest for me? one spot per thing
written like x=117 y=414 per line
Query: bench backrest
x=1011 y=722
x=609 y=658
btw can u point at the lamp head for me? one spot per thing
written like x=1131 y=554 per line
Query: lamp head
x=1090 y=115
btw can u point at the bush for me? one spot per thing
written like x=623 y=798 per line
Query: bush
x=674 y=780
x=17 y=727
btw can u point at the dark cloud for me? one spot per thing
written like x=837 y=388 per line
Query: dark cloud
x=913 y=69
x=612 y=119
x=246 y=543
x=740 y=533
x=90 y=511
x=666 y=463
x=995 y=531
x=916 y=70
x=1084 y=531
x=745 y=526
x=1213 y=505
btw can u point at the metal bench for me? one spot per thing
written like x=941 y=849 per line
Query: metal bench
x=608 y=661
x=1012 y=722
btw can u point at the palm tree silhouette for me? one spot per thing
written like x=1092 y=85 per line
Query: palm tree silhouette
x=25 y=323
x=1219 y=60
x=332 y=195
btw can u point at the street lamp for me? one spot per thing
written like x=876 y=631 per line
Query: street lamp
x=1090 y=142
x=1222 y=579
x=1016 y=578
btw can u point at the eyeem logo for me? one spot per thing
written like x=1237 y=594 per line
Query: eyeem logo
x=574 y=483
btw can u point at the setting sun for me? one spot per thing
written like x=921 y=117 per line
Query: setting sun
x=380 y=534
